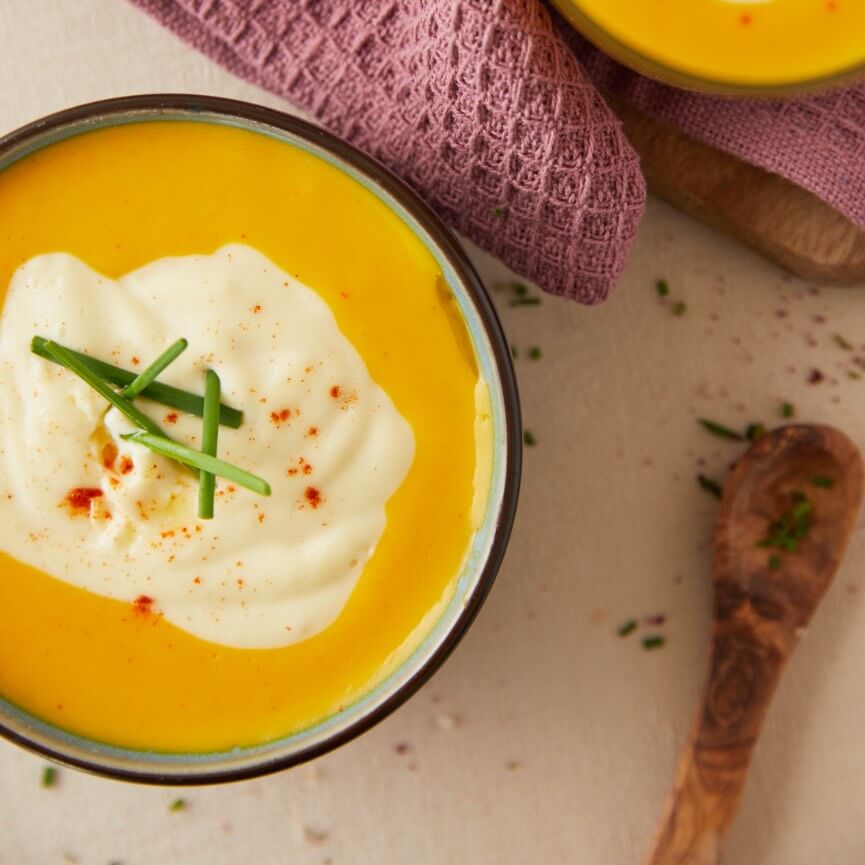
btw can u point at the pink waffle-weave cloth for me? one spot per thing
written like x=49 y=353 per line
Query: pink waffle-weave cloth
x=489 y=109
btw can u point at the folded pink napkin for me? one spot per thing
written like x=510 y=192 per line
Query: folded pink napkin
x=483 y=107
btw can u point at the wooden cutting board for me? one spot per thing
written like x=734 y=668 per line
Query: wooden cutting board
x=787 y=224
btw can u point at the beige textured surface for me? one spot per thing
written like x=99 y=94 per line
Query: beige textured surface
x=545 y=739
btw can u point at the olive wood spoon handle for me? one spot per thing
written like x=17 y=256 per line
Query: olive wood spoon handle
x=761 y=605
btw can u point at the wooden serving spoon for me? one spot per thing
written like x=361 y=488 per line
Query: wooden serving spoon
x=763 y=598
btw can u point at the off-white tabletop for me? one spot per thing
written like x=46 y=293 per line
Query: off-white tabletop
x=545 y=738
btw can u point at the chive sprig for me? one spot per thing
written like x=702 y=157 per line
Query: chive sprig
x=209 y=437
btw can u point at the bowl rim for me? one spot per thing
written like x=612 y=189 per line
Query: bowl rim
x=641 y=63
x=452 y=251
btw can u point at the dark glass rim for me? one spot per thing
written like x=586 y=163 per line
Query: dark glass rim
x=456 y=257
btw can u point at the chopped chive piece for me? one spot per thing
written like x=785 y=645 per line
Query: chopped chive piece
x=774 y=562
x=520 y=289
x=710 y=486
x=755 y=432
x=529 y=438
x=792 y=526
x=177 y=805
x=205 y=462
x=662 y=287
x=851 y=373
x=535 y=352
x=514 y=352
x=720 y=430
x=656 y=641
x=841 y=342
x=150 y=374
x=49 y=776
x=823 y=482
x=66 y=358
x=526 y=301
x=209 y=437
x=787 y=409
x=627 y=628
x=498 y=212
x=165 y=394
x=680 y=308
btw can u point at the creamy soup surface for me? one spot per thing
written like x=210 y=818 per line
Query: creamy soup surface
x=131 y=620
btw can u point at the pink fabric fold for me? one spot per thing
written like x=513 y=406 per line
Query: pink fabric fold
x=489 y=109
x=478 y=105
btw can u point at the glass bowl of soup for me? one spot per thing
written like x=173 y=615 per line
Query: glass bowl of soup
x=749 y=47
x=190 y=278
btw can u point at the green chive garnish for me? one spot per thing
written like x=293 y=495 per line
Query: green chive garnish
x=627 y=628
x=755 y=432
x=787 y=409
x=150 y=374
x=720 y=430
x=662 y=287
x=656 y=641
x=528 y=438
x=49 y=776
x=535 y=352
x=196 y=459
x=710 y=486
x=680 y=308
x=514 y=352
x=520 y=289
x=842 y=343
x=177 y=805
x=66 y=358
x=498 y=212
x=209 y=436
x=526 y=301
x=823 y=482
x=165 y=394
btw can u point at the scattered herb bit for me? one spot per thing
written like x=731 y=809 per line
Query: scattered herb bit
x=851 y=373
x=150 y=374
x=198 y=460
x=162 y=393
x=627 y=628
x=535 y=352
x=529 y=438
x=787 y=409
x=662 y=287
x=815 y=376
x=755 y=431
x=655 y=641
x=774 y=562
x=793 y=525
x=823 y=482
x=177 y=805
x=680 y=308
x=209 y=438
x=520 y=289
x=498 y=212
x=720 y=430
x=49 y=776
x=841 y=342
x=710 y=486
x=514 y=352
x=526 y=301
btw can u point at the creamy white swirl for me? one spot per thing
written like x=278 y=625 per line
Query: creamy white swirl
x=266 y=572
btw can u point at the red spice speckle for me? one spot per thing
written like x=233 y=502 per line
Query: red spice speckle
x=312 y=432
x=291 y=472
x=109 y=454
x=197 y=581
x=334 y=391
x=278 y=417
x=261 y=517
x=313 y=496
x=831 y=5
x=143 y=605
x=815 y=376
x=136 y=361
x=126 y=465
x=78 y=499
x=657 y=620
x=171 y=417
x=746 y=18
x=256 y=309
